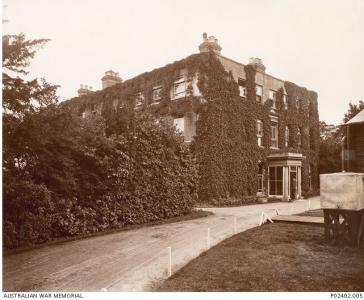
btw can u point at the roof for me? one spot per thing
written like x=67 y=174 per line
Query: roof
x=359 y=118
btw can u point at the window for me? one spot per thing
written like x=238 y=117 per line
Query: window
x=139 y=99
x=179 y=123
x=285 y=103
x=242 y=91
x=242 y=88
x=273 y=97
x=260 y=133
x=274 y=135
x=276 y=181
x=299 y=137
x=157 y=93
x=180 y=88
x=286 y=137
x=259 y=93
x=260 y=178
x=297 y=103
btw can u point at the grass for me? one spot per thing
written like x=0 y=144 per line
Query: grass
x=195 y=214
x=274 y=257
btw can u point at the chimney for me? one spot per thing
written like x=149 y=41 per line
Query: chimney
x=257 y=63
x=84 y=90
x=110 y=78
x=209 y=44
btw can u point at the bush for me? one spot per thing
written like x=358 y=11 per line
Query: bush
x=75 y=180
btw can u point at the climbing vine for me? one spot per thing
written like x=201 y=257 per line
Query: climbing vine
x=225 y=145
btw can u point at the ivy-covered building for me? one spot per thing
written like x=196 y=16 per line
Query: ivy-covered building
x=251 y=132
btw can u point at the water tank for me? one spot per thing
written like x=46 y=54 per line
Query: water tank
x=342 y=191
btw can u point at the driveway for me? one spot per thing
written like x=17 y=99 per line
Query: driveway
x=131 y=260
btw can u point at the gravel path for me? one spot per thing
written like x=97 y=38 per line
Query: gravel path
x=131 y=260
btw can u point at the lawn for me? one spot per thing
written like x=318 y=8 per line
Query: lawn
x=273 y=257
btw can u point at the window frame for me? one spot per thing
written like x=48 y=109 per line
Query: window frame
x=286 y=136
x=139 y=99
x=274 y=125
x=275 y=180
x=259 y=97
x=181 y=81
x=285 y=101
x=175 y=124
x=259 y=134
x=273 y=93
x=157 y=98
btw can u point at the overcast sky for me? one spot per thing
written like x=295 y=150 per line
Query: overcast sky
x=318 y=44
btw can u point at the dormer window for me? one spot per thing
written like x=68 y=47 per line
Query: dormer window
x=273 y=97
x=259 y=93
x=139 y=99
x=157 y=94
x=180 y=88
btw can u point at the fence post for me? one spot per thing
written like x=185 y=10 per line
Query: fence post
x=292 y=208
x=309 y=204
x=169 y=261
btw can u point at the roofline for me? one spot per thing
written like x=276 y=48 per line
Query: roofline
x=234 y=61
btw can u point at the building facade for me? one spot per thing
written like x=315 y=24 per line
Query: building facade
x=353 y=144
x=283 y=125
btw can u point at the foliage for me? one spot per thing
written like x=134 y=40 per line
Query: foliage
x=353 y=110
x=74 y=180
x=19 y=95
x=225 y=146
x=302 y=115
x=66 y=176
x=330 y=149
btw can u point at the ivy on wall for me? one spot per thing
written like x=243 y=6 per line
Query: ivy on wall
x=225 y=146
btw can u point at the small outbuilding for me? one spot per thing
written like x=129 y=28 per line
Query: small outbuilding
x=353 y=148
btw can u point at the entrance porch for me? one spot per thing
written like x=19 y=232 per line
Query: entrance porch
x=284 y=175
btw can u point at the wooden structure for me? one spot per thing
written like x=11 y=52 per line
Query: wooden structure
x=342 y=194
x=344 y=225
x=342 y=199
x=353 y=147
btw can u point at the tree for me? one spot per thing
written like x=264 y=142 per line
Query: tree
x=19 y=95
x=353 y=110
x=330 y=149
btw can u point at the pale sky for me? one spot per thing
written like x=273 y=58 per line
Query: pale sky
x=318 y=44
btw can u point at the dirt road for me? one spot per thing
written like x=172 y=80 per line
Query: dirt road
x=130 y=260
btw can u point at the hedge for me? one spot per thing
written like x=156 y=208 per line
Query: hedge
x=79 y=181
